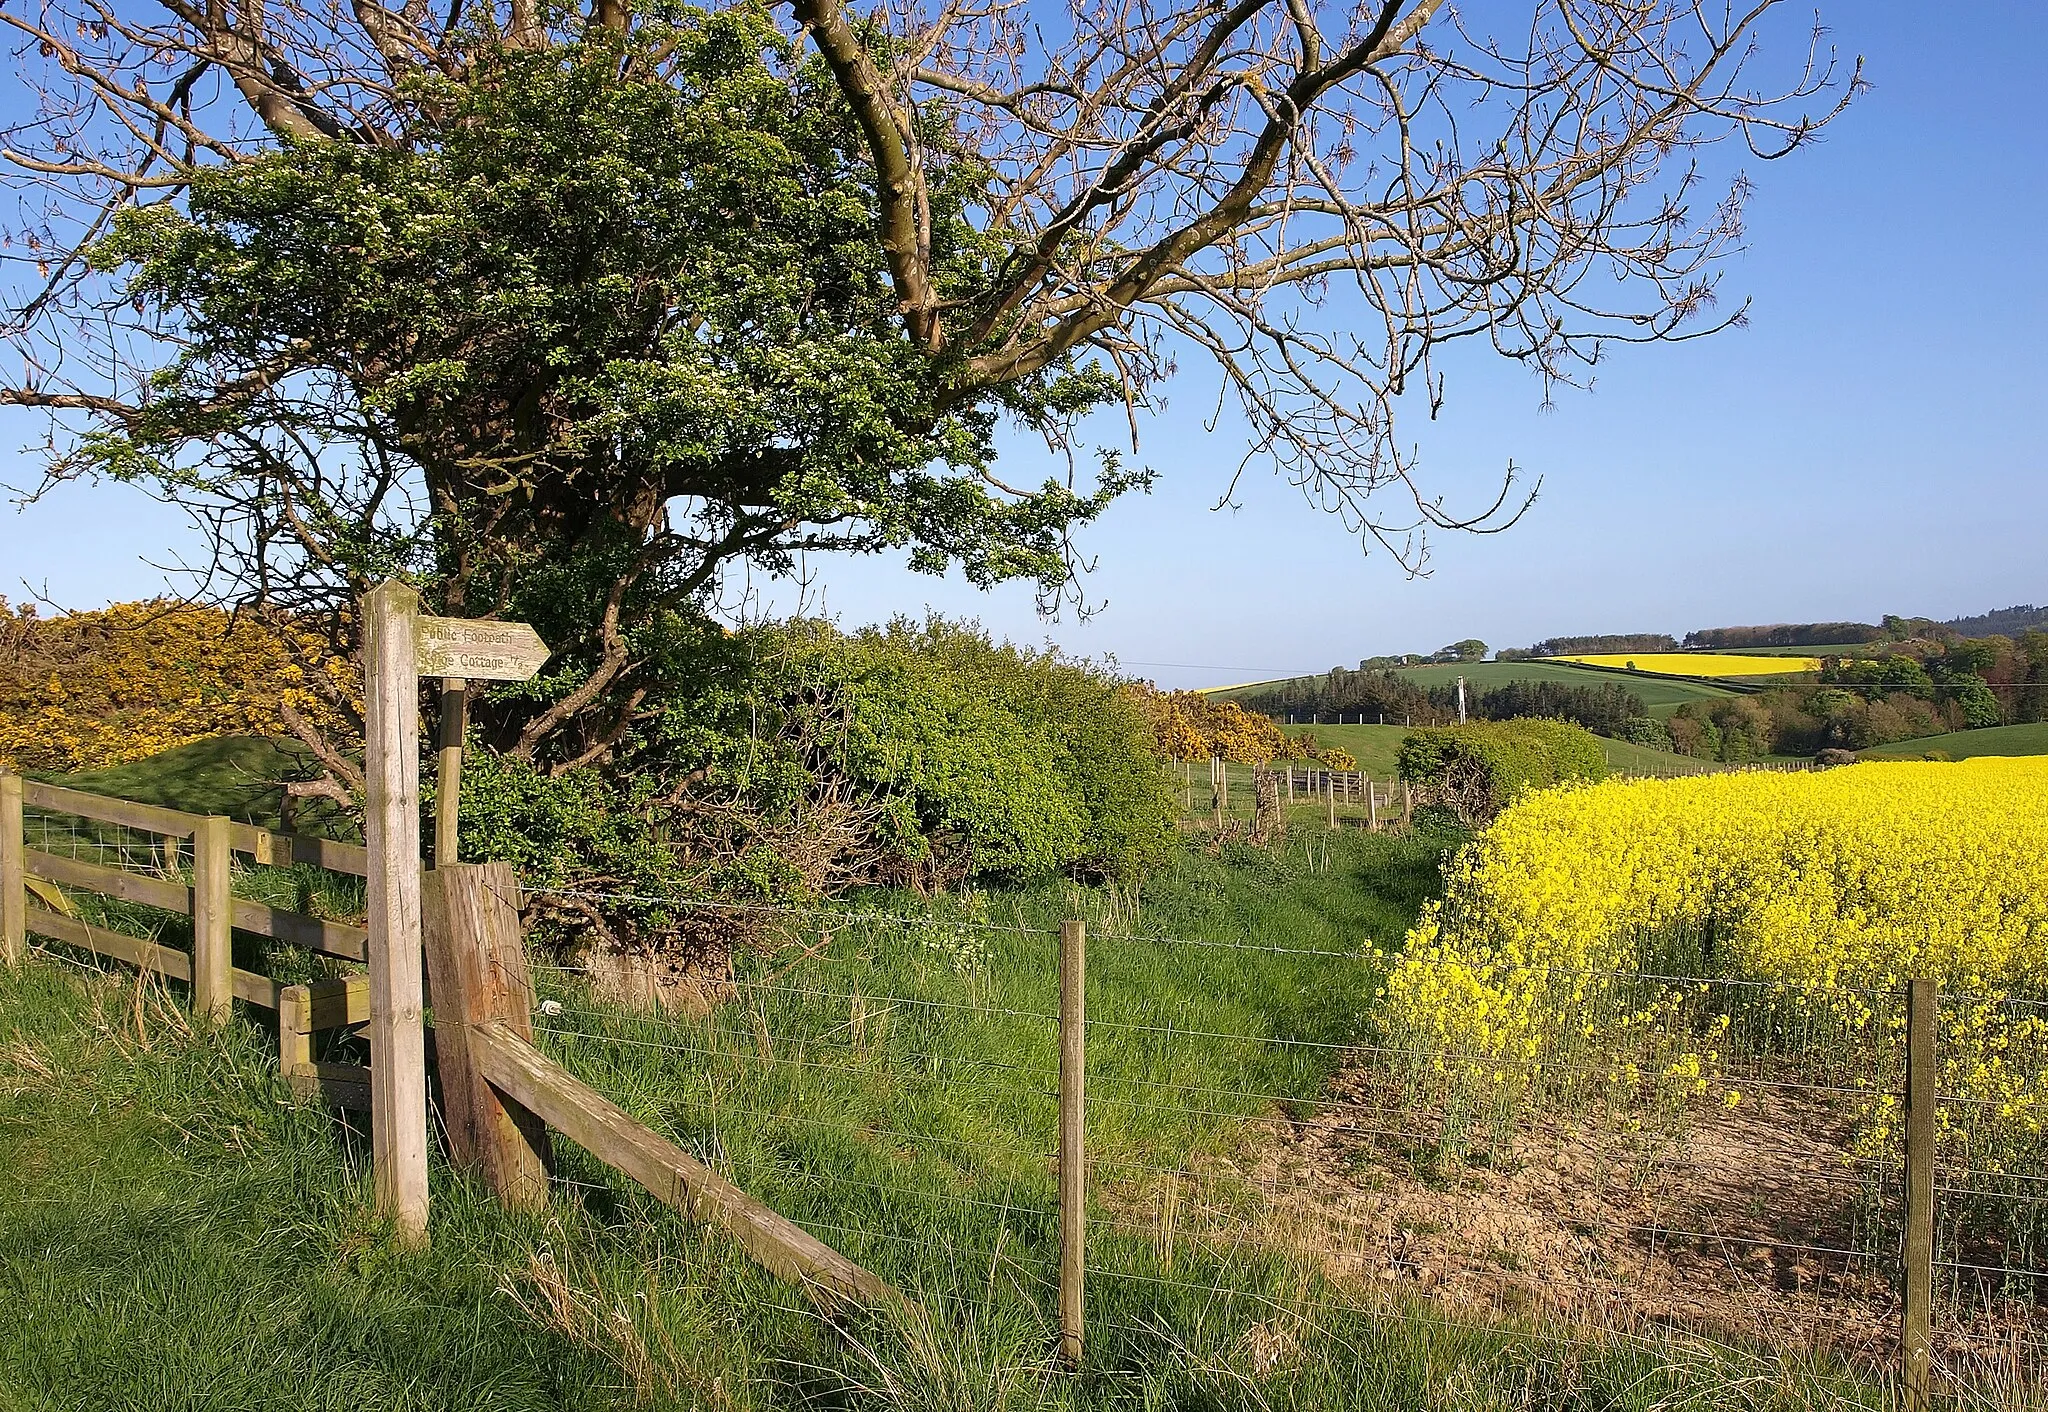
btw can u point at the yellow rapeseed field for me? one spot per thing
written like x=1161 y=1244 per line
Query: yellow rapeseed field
x=1700 y=664
x=1831 y=888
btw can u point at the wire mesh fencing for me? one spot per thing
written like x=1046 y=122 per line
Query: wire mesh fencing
x=1719 y=1155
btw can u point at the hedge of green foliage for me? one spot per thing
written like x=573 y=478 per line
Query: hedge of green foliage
x=794 y=761
x=1474 y=770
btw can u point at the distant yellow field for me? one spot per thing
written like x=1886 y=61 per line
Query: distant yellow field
x=1700 y=664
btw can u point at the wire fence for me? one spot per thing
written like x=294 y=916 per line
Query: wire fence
x=1719 y=1154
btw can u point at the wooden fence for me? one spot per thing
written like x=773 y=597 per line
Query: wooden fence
x=499 y=1094
x=208 y=968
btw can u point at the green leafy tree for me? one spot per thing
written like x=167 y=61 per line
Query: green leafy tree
x=564 y=311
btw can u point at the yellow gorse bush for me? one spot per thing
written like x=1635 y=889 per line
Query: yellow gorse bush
x=85 y=690
x=1834 y=887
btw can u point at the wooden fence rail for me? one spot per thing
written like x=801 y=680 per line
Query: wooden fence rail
x=302 y=1010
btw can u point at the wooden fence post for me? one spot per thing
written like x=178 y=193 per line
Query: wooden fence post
x=448 y=771
x=1916 y=1349
x=13 y=874
x=391 y=828
x=213 y=944
x=476 y=960
x=1073 y=1134
x=1330 y=789
x=1372 y=804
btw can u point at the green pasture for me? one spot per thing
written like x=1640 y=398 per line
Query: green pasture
x=2029 y=739
x=241 y=776
x=1661 y=695
x=1832 y=649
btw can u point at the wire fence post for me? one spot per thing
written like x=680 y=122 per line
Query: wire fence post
x=1073 y=1134
x=13 y=874
x=213 y=981
x=1916 y=1351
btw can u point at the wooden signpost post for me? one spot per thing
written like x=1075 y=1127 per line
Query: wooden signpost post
x=399 y=647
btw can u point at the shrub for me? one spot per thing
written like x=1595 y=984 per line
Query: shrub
x=86 y=690
x=1477 y=769
x=1188 y=725
x=1645 y=730
x=792 y=761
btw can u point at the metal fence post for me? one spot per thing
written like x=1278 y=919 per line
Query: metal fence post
x=1916 y=1349
x=1073 y=1134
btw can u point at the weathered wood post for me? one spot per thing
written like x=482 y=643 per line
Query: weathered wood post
x=1916 y=1348
x=448 y=771
x=391 y=828
x=13 y=874
x=477 y=961
x=1372 y=803
x=213 y=938
x=1073 y=1135
x=1330 y=787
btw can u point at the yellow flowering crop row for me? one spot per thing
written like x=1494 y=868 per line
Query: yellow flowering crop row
x=1833 y=888
x=1701 y=664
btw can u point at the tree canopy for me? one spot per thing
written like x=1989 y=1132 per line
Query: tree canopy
x=562 y=311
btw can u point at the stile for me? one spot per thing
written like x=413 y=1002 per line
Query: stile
x=13 y=874
x=1073 y=1135
x=391 y=828
x=213 y=945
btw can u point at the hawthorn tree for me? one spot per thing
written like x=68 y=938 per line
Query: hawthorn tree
x=564 y=310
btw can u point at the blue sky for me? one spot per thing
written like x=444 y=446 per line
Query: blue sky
x=1863 y=446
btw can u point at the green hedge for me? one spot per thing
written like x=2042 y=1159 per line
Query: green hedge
x=1475 y=770
x=789 y=762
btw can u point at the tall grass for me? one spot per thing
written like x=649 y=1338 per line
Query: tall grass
x=177 y=1231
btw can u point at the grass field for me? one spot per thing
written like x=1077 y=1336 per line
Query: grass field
x=177 y=1232
x=1961 y=745
x=1661 y=696
x=240 y=776
x=1375 y=748
x=1831 y=649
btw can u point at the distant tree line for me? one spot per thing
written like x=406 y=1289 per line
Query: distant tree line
x=1914 y=689
x=1374 y=696
x=1784 y=635
x=2004 y=622
x=1598 y=642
